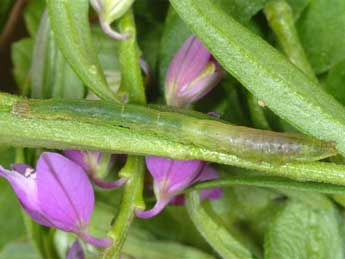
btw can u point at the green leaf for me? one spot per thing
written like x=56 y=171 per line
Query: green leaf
x=16 y=250
x=335 y=80
x=321 y=29
x=144 y=248
x=70 y=24
x=265 y=72
x=298 y=7
x=51 y=75
x=21 y=53
x=32 y=15
x=305 y=230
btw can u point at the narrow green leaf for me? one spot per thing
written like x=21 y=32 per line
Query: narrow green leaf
x=70 y=24
x=215 y=234
x=107 y=130
x=265 y=72
x=305 y=230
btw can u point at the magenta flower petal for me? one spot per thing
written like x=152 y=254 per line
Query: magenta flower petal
x=209 y=173
x=169 y=178
x=64 y=191
x=76 y=251
x=159 y=206
x=90 y=161
x=78 y=157
x=172 y=175
x=192 y=73
x=24 y=185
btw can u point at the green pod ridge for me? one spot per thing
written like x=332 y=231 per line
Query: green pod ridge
x=183 y=128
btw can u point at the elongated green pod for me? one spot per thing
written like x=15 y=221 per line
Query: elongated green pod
x=210 y=133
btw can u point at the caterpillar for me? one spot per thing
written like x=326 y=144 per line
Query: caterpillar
x=188 y=127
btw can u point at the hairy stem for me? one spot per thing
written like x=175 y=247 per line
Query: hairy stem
x=133 y=171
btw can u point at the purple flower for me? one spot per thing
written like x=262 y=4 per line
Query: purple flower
x=75 y=251
x=171 y=177
x=192 y=73
x=90 y=161
x=57 y=194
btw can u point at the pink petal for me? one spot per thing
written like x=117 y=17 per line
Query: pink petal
x=78 y=157
x=64 y=192
x=187 y=64
x=26 y=191
x=172 y=176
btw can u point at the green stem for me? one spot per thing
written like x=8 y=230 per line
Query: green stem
x=133 y=171
x=131 y=78
x=214 y=233
x=132 y=199
x=280 y=18
x=270 y=182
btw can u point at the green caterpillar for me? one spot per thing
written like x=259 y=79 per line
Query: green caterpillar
x=185 y=127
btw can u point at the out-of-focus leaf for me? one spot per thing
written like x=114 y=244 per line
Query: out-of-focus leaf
x=321 y=29
x=70 y=24
x=305 y=230
x=142 y=247
x=5 y=7
x=18 y=250
x=174 y=224
x=51 y=75
x=241 y=10
x=21 y=57
x=215 y=233
x=335 y=82
x=298 y=6
x=32 y=15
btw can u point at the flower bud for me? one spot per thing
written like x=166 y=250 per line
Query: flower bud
x=192 y=73
x=109 y=11
x=171 y=177
x=57 y=194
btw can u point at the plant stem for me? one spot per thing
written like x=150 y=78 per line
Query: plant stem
x=131 y=200
x=280 y=18
x=269 y=182
x=133 y=171
x=131 y=78
x=215 y=234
